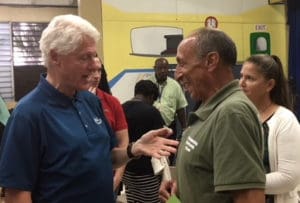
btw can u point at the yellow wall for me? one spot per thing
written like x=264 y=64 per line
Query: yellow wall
x=92 y=11
x=117 y=25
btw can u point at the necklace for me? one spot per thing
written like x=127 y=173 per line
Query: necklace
x=264 y=114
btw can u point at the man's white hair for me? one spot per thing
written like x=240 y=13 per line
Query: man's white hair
x=64 y=34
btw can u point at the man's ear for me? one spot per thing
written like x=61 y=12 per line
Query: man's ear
x=212 y=60
x=54 y=57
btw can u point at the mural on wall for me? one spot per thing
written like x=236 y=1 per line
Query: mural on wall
x=155 y=40
x=136 y=32
x=123 y=84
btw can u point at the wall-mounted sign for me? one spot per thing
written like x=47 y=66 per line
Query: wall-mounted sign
x=261 y=27
x=260 y=43
x=211 y=22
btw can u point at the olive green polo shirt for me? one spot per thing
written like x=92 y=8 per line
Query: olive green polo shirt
x=221 y=150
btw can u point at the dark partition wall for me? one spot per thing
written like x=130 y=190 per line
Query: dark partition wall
x=293 y=8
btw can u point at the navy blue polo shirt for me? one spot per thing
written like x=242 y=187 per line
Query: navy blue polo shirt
x=58 y=148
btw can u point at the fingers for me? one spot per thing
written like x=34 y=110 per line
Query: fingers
x=167 y=146
x=170 y=142
x=168 y=150
x=154 y=144
x=162 y=199
x=164 y=189
x=164 y=149
x=162 y=153
x=163 y=132
x=174 y=188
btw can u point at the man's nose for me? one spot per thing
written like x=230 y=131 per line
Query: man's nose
x=242 y=82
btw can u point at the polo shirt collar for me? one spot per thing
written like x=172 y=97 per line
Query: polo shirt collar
x=54 y=96
x=205 y=110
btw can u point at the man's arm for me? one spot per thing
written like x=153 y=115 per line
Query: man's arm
x=122 y=137
x=249 y=196
x=17 y=196
x=181 y=113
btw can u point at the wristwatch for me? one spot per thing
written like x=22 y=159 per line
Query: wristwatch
x=129 y=151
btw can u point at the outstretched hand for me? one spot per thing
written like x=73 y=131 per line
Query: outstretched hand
x=154 y=143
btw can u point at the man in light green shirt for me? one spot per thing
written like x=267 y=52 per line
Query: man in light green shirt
x=171 y=101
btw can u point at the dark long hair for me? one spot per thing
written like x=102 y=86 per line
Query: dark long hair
x=103 y=84
x=271 y=68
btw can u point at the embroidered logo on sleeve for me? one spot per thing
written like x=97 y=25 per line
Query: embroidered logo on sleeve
x=190 y=144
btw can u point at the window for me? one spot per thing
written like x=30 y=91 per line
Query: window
x=25 y=38
x=6 y=63
x=27 y=61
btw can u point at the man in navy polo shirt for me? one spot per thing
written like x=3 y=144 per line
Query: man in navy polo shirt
x=57 y=145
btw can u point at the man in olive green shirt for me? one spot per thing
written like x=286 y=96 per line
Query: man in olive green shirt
x=220 y=156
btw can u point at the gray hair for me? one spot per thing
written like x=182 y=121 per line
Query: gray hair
x=64 y=34
x=213 y=40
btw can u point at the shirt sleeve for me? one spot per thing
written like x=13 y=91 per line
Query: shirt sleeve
x=20 y=153
x=238 y=149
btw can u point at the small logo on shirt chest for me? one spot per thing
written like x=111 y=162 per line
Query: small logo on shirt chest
x=98 y=121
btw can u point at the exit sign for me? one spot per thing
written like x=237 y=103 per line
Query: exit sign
x=260 y=27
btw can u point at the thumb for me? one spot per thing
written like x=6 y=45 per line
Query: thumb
x=164 y=132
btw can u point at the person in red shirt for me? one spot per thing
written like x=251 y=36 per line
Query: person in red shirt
x=114 y=114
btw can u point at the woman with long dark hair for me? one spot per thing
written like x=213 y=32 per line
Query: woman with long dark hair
x=262 y=80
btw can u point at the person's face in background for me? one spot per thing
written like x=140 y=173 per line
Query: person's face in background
x=190 y=70
x=95 y=76
x=253 y=83
x=73 y=70
x=161 y=70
